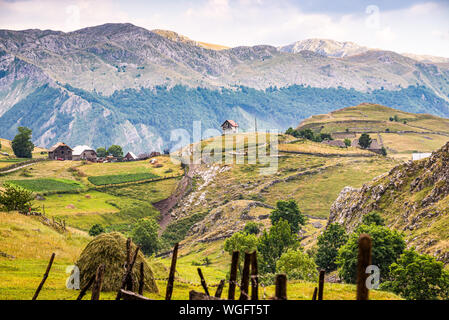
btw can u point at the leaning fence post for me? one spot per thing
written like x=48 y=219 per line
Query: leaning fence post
x=254 y=277
x=244 y=285
x=142 y=279
x=85 y=288
x=364 y=260
x=50 y=263
x=203 y=282
x=171 y=276
x=96 y=289
x=314 y=293
x=129 y=269
x=321 y=285
x=233 y=275
x=219 y=289
x=281 y=287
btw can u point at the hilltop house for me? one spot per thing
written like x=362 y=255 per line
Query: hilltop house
x=84 y=153
x=130 y=156
x=229 y=126
x=60 y=151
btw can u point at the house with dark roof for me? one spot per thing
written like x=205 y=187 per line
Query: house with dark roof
x=60 y=151
x=230 y=126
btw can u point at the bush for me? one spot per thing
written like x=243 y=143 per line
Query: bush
x=329 y=242
x=347 y=142
x=297 y=265
x=365 y=141
x=252 y=228
x=289 y=211
x=373 y=218
x=418 y=277
x=388 y=245
x=14 y=197
x=145 y=234
x=96 y=229
x=274 y=243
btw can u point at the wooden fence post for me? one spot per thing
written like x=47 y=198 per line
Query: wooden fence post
x=129 y=269
x=203 y=282
x=321 y=285
x=314 y=293
x=254 y=277
x=364 y=260
x=50 y=263
x=233 y=275
x=219 y=289
x=142 y=278
x=129 y=281
x=281 y=287
x=85 y=288
x=244 y=285
x=171 y=276
x=98 y=283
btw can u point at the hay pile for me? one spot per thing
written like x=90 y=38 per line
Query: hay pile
x=110 y=249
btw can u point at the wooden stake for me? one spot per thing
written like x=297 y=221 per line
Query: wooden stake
x=233 y=275
x=321 y=285
x=129 y=281
x=364 y=260
x=96 y=289
x=50 y=263
x=171 y=276
x=142 y=279
x=85 y=288
x=254 y=277
x=219 y=289
x=281 y=287
x=314 y=293
x=129 y=269
x=203 y=282
x=244 y=285
x=129 y=295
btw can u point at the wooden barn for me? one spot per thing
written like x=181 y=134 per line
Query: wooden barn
x=60 y=151
x=230 y=126
x=130 y=156
x=84 y=153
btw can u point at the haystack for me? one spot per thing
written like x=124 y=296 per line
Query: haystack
x=110 y=249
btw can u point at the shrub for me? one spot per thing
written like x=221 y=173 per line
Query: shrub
x=418 y=277
x=388 y=245
x=347 y=142
x=373 y=218
x=145 y=233
x=289 y=211
x=14 y=197
x=297 y=265
x=365 y=141
x=329 y=242
x=252 y=228
x=96 y=229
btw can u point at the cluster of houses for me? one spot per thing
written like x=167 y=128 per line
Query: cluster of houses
x=62 y=151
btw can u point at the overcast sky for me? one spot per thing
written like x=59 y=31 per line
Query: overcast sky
x=412 y=26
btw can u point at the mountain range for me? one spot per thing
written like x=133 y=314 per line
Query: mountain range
x=122 y=84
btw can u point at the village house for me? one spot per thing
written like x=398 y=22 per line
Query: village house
x=130 y=156
x=229 y=127
x=60 y=151
x=84 y=153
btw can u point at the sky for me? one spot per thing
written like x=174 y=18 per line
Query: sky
x=412 y=26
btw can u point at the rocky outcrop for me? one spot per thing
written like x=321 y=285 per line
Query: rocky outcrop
x=413 y=198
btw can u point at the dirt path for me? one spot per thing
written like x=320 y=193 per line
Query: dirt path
x=165 y=206
x=18 y=168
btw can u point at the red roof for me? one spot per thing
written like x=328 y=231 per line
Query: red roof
x=231 y=122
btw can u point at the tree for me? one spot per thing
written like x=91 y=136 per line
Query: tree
x=388 y=245
x=373 y=218
x=145 y=233
x=347 y=142
x=14 y=197
x=96 y=229
x=252 y=228
x=241 y=242
x=383 y=151
x=365 y=141
x=396 y=118
x=289 y=211
x=297 y=265
x=273 y=244
x=102 y=152
x=418 y=277
x=329 y=242
x=115 y=151
x=21 y=144
x=391 y=119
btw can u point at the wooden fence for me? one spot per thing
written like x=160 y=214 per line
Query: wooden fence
x=129 y=290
